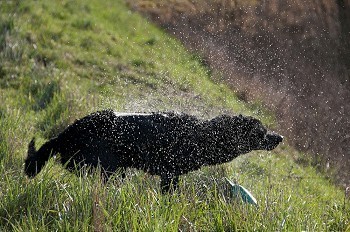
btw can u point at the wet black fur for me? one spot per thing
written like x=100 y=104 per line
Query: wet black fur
x=165 y=144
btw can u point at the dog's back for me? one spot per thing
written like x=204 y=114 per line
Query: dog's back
x=144 y=141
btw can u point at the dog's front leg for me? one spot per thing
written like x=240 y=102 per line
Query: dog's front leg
x=168 y=183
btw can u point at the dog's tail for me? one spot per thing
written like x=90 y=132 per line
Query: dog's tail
x=36 y=160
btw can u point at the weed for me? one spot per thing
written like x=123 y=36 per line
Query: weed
x=83 y=24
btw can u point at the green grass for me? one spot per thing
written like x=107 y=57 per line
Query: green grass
x=60 y=60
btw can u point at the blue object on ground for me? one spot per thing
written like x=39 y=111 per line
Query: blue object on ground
x=239 y=191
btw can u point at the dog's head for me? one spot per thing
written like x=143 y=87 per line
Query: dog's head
x=244 y=134
x=260 y=138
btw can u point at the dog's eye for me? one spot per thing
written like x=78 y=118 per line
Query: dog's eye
x=260 y=133
x=263 y=131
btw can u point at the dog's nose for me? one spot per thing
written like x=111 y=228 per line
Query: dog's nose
x=279 y=138
x=274 y=137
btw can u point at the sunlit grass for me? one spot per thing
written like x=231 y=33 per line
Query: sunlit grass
x=109 y=50
x=292 y=199
x=60 y=60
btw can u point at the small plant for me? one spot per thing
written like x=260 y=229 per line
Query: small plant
x=83 y=24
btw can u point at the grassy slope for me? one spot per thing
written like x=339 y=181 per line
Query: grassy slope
x=62 y=59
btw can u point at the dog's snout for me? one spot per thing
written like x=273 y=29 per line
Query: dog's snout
x=274 y=137
x=279 y=138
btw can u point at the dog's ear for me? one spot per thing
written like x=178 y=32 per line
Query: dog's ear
x=31 y=148
x=256 y=123
x=241 y=118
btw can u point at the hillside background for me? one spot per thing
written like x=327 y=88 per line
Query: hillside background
x=293 y=55
x=63 y=59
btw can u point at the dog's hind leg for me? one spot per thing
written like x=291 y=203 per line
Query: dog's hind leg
x=168 y=183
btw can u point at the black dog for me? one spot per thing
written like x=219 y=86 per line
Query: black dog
x=165 y=144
